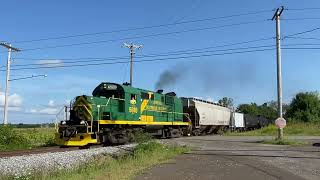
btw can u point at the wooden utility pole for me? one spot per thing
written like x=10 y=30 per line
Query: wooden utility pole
x=276 y=17
x=6 y=100
x=132 y=47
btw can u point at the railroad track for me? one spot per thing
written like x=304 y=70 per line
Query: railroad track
x=40 y=150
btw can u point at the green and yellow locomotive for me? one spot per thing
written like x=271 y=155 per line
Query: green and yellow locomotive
x=114 y=112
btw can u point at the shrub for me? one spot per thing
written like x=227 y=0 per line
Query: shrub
x=305 y=107
x=10 y=138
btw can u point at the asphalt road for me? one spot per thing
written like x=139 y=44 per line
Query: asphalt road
x=228 y=158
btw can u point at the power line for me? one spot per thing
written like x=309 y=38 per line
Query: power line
x=28 y=77
x=303 y=32
x=303 y=44
x=303 y=48
x=145 y=27
x=156 y=55
x=300 y=19
x=144 y=56
x=305 y=38
x=302 y=9
x=151 y=55
x=147 y=60
x=145 y=36
x=162 y=59
x=162 y=34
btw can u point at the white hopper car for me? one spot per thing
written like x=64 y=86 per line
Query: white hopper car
x=210 y=118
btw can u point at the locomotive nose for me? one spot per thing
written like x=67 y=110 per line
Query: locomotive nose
x=81 y=110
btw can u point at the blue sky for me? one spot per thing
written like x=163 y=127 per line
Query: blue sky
x=248 y=77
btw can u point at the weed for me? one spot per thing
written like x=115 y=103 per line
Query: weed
x=25 y=138
x=125 y=166
x=292 y=128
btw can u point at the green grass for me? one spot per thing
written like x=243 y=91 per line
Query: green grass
x=292 y=129
x=25 y=138
x=126 y=166
x=285 y=142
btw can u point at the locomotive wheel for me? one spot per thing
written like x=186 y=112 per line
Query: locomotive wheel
x=114 y=138
x=196 y=132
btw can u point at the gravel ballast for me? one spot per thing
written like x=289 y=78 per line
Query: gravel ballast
x=19 y=166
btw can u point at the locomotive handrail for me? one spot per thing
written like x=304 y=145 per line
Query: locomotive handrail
x=106 y=105
x=91 y=117
x=56 y=124
x=166 y=112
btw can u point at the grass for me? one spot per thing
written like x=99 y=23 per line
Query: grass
x=127 y=166
x=285 y=142
x=292 y=129
x=25 y=138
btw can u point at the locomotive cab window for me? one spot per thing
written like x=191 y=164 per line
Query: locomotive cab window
x=108 y=91
x=133 y=97
x=144 y=95
x=147 y=96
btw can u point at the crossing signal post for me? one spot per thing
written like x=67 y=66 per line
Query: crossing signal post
x=280 y=121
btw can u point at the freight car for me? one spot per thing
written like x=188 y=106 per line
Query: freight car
x=255 y=122
x=237 y=122
x=206 y=117
x=114 y=112
x=211 y=118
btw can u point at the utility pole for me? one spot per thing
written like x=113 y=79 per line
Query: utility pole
x=6 y=100
x=280 y=122
x=132 y=47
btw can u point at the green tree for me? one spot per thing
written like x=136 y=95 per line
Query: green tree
x=305 y=107
x=249 y=109
x=254 y=109
x=268 y=111
x=274 y=105
x=226 y=102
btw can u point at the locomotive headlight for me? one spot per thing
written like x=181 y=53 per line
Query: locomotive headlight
x=63 y=122
x=82 y=122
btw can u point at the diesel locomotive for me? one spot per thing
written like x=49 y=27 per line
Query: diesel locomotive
x=115 y=112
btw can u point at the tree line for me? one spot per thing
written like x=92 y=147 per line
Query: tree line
x=304 y=107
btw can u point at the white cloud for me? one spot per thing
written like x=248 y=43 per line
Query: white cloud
x=50 y=63
x=48 y=111
x=32 y=110
x=51 y=109
x=15 y=100
x=16 y=109
x=51 y=103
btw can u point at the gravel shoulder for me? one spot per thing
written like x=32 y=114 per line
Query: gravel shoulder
x=19 y=166
x=225 y=157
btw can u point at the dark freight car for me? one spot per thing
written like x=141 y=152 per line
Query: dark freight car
x=255 y=122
